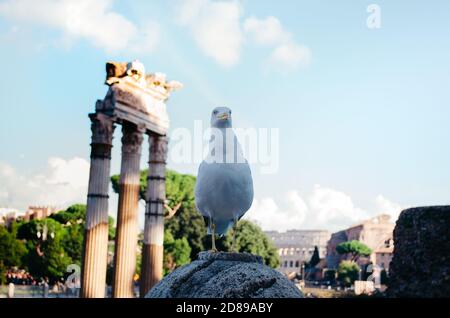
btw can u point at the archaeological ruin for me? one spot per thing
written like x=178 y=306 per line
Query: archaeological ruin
x=137 y=102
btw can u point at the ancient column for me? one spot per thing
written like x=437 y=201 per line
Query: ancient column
x=93 y=274
x=152 y=253
x=127 y=217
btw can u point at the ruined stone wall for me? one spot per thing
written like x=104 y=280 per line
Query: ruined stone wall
x=421 y=263
x=225 y=275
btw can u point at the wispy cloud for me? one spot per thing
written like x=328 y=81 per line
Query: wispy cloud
x=220 y=33
x=93 y=21
x=387 y=206
x=323 y=208
x=215 y=27
x=61 y=183
x=287 y=54
x=268 y=31
x=218 y=28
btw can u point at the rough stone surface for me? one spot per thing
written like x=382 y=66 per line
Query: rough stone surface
x=225 y=275
x=421 y=263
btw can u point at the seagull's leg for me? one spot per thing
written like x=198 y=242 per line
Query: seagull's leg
x=233 y=245
x=213 y=237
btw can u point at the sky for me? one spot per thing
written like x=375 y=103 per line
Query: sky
x=362 y=111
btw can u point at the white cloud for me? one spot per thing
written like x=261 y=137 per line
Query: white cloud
x=270 y=216
x=73 y=172
x=388 y=207
x=63 y=182
x=215 y=26
x=324 y=208
x=287 y=54
x=291 y=55
x=93 y=21
x=267 y=31
x=330 y=205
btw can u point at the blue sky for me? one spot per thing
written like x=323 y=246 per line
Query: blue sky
x=363 y=113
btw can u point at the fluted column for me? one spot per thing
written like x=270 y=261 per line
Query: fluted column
x=127 y=217
x=152 y=253
x=93 y=274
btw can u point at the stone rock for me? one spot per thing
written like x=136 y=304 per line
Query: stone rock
x=421 y=262
x=225 y=275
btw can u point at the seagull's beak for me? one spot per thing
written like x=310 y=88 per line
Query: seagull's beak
x=223 y=116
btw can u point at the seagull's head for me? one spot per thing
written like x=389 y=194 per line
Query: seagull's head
x=221 y=117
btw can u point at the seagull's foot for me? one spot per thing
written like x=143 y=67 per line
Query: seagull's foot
x=234 y=248
x=233 y=244
x=213 y=238
x=213 y=250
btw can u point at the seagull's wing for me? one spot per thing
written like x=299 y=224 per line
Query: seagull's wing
x=200 y=189
x=244 y=189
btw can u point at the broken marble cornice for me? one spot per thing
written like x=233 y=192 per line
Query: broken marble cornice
x=133 y=73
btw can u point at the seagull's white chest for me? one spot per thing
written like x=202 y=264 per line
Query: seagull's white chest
x=224 y=190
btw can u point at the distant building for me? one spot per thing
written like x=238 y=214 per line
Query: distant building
x=38 y=212
x=376 y=233
x=7 y=215
x=296 y=247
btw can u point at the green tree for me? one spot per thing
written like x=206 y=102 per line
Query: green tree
x=73 y=219
x=249 y=239
x=2 y=273
x=14 y=227
x=72 y=242
x=111 y=228
x=12 y=250
x=315 y=258
x=187 y=222
x=45 y=247
x=46 y=255
x=176 y=252
x=73 y=214
x=348 y=272
x=353 y=248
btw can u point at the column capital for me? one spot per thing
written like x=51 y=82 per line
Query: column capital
x=158 y=148
x=132 y=137
x=102 y=127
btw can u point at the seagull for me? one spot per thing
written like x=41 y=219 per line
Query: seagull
x=224 y=187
